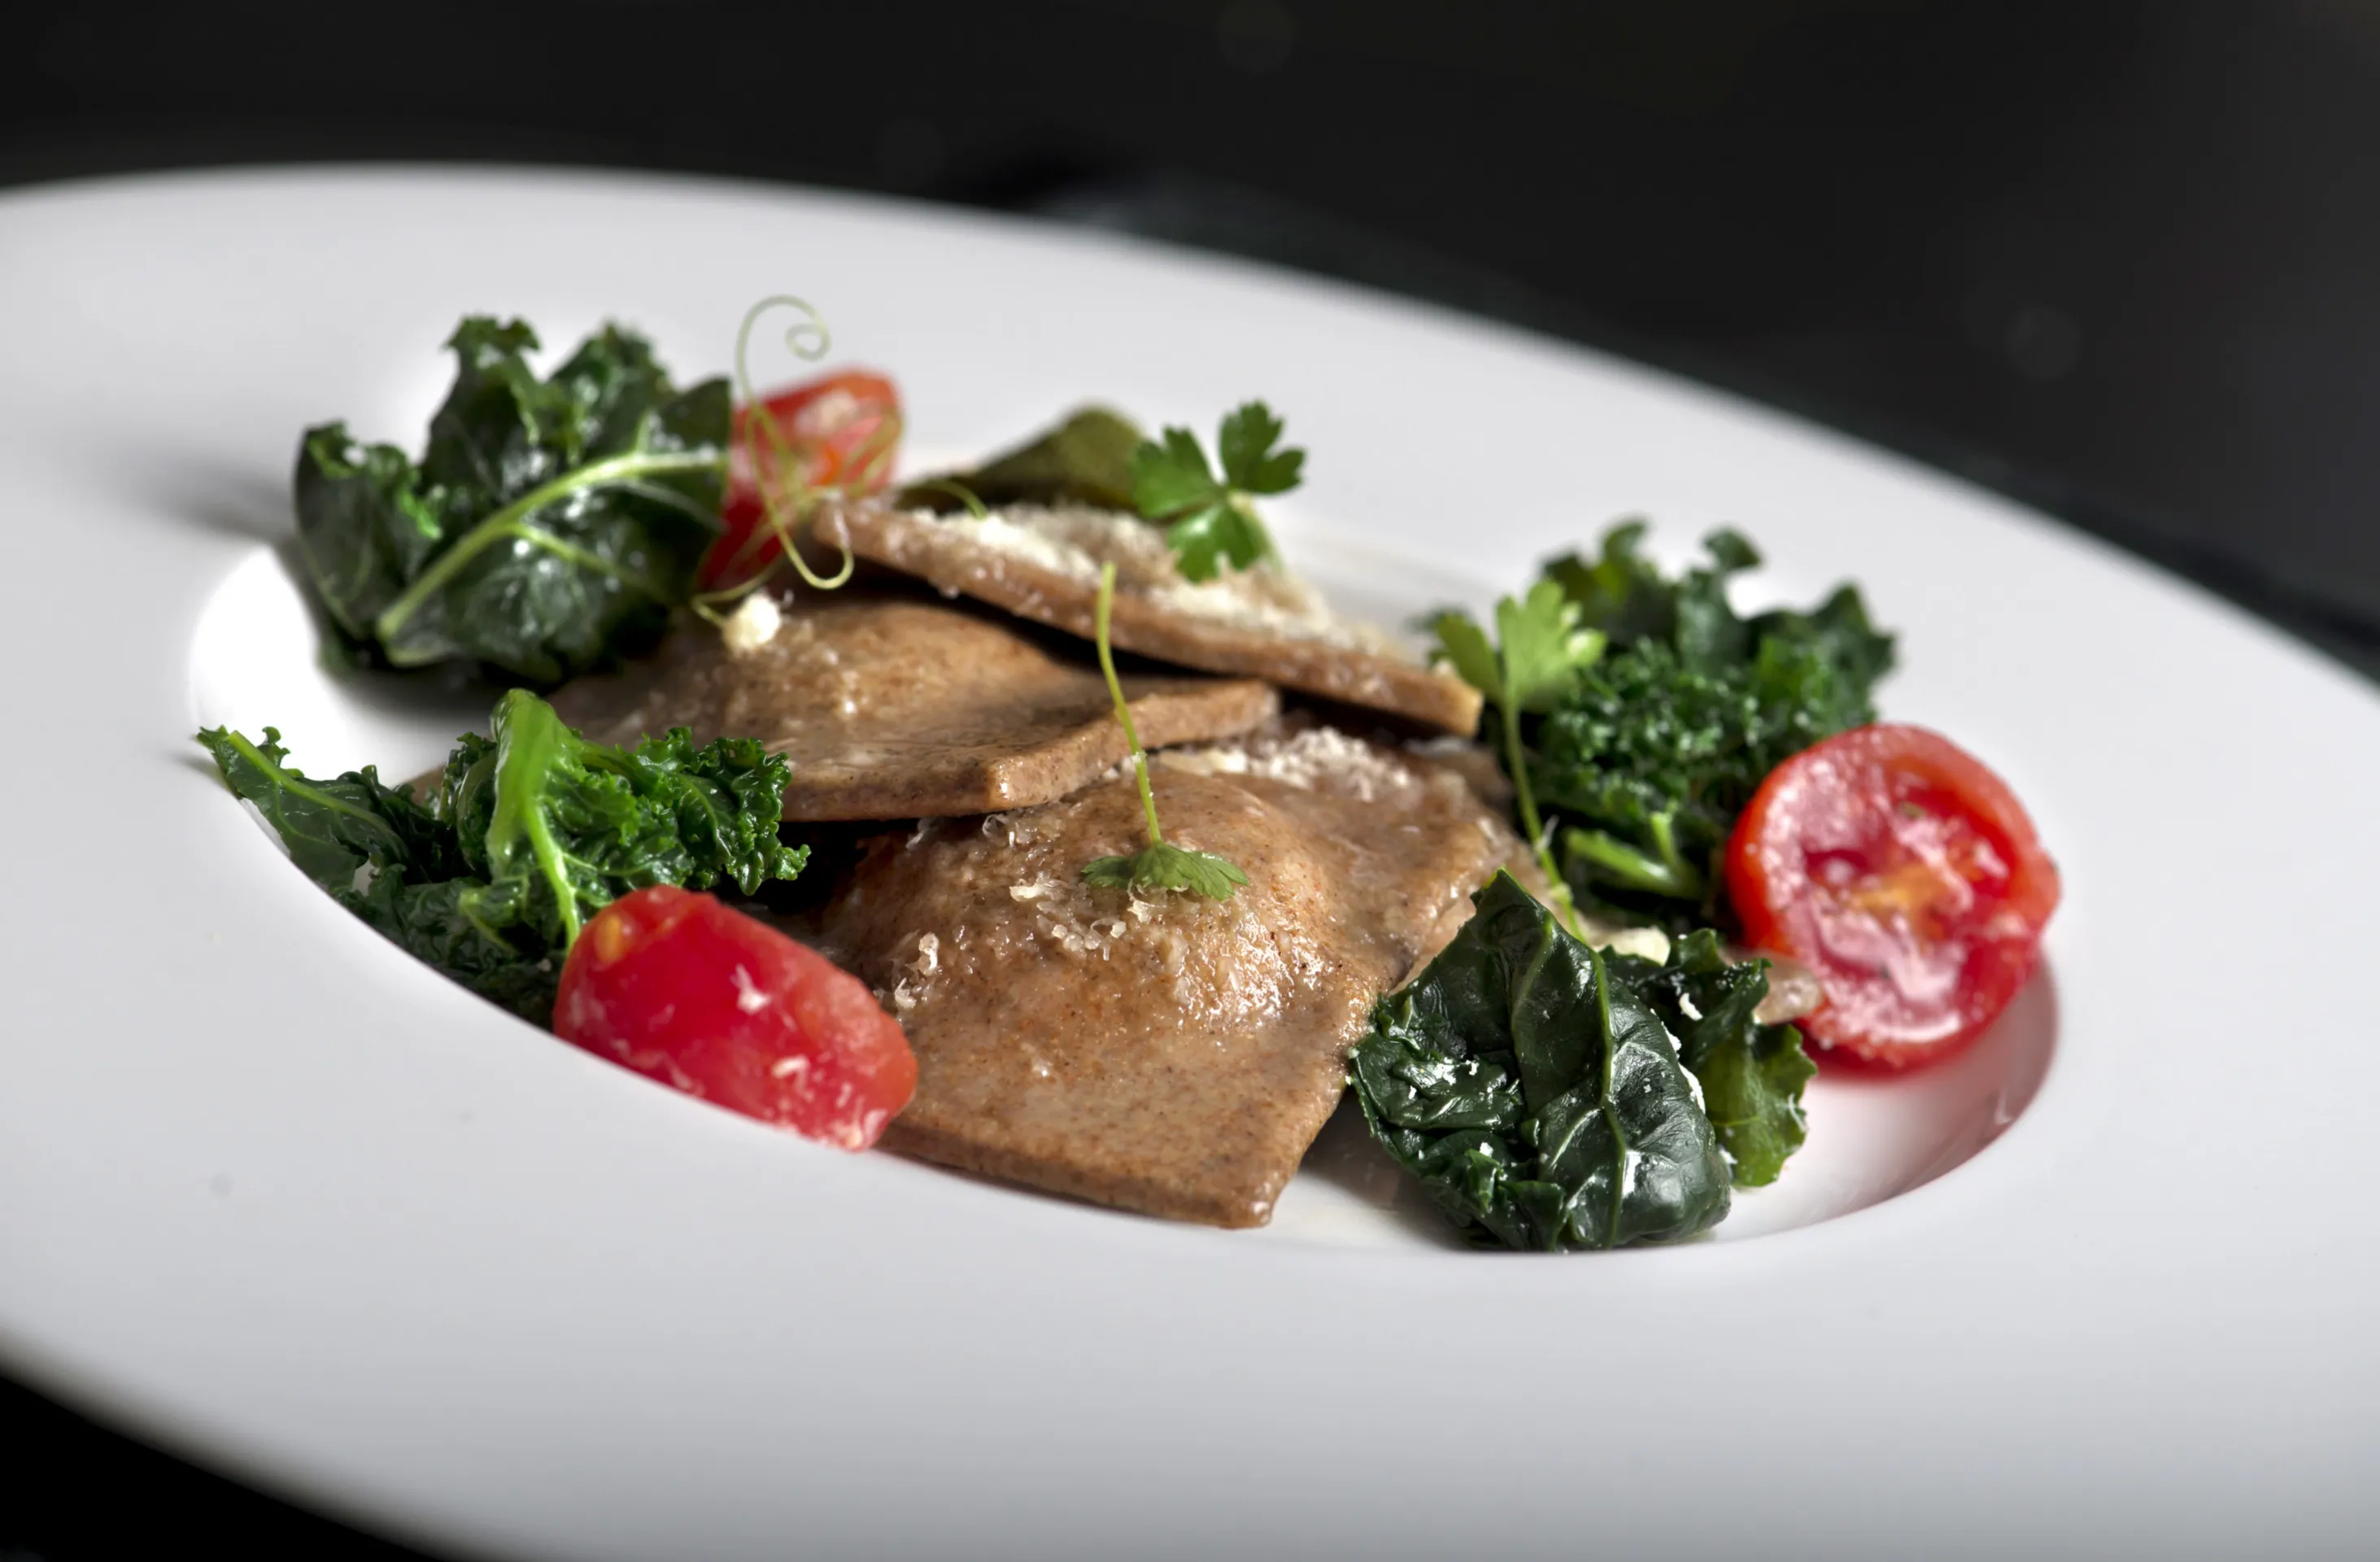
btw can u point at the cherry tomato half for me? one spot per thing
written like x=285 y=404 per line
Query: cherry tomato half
x=1906 y=874
x=700 y=996
x=839 y=430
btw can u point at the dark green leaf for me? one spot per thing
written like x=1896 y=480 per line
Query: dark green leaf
x=550 y=524
x=1627 y=597
x=1166 y=867
x=1087 y=459
x=1535 y=1093
x=396 y=865
x=1655 y=758
x=332 y=828
x=1838 y=633
x=1751 y=1074
x=472 y=931
x=365 y=527
x=1621 y=592
x=578 y=824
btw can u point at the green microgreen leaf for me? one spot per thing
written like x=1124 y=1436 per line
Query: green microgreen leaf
x=1168 y=867
x=1157 y=866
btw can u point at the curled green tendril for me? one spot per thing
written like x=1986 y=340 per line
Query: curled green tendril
x=776 y=471
x=956 y=490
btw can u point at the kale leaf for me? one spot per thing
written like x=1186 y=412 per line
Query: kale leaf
x=1752 y=1075
x=530 y=833
x=550 y=525
x=1643 y=767
x=1087 y=459
x=1529 y=1085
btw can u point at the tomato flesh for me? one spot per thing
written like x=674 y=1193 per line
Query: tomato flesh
x=721 y=1006
x=839 y=430
x=1903 y=873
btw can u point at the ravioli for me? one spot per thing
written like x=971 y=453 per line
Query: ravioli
x=890 y=706
x=1163 y=1053
x=1043 y=564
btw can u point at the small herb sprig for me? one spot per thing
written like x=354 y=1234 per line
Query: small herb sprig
x=1210 y=520
x=1541 y=654
x=1160 y=865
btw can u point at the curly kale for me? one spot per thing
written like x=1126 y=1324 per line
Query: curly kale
x=1643 y=767
x=530 y=832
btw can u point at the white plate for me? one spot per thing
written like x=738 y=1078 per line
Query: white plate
x=299 y=1208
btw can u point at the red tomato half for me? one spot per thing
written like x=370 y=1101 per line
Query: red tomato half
x=1894 y=865
x=839 y=430
x=698 y=995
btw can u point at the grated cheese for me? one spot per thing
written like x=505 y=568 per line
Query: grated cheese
x=752 y=625
x=1074 y=540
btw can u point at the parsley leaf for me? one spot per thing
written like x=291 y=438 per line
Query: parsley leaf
x=1246 y=444
x=1209 y=520
x=1087 y=459
x=1540 y=657
x=1542 y=650
x=1170 y=475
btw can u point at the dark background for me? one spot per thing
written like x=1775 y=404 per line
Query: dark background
x=2122 y=260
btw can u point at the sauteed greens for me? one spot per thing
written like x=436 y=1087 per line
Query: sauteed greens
x=1526 y=1080
x=528 y=833
x=550 y=526
x=1658 y=712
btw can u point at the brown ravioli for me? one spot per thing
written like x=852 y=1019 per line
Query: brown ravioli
x=1271 y=634
x=892 y=707
x=1167 y=1054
